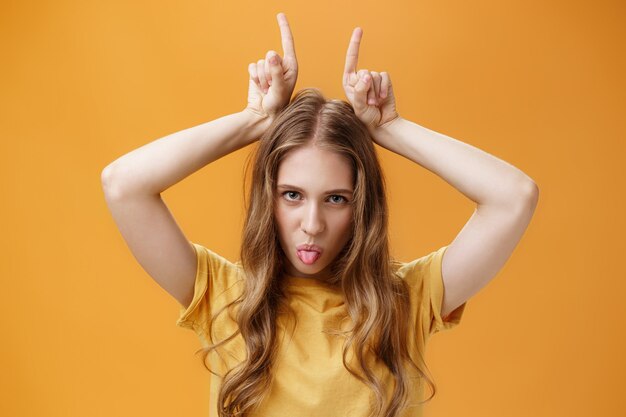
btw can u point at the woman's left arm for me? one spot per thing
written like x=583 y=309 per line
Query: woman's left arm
x=481 y=177
x=505 y=196
x=505 y=200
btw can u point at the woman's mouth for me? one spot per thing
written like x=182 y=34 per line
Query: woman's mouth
x=308 y=257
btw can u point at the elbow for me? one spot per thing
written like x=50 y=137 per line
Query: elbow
x=531 y=192
x=527 y=197
x=110 y=186
x=523 y=196
x=105 y=175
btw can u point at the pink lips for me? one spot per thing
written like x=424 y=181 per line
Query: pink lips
x=309 y=247
x=308 y=254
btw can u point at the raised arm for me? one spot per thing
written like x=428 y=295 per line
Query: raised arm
x=134 y=182
x=505 y=196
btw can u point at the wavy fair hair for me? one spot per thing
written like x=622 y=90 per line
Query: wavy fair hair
x=376 y=299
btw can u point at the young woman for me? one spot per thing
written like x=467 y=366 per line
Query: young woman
x=317 y=318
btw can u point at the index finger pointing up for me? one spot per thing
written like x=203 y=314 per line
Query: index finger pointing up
x=285 y=34
x=352 y=56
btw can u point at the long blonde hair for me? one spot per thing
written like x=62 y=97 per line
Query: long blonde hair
x=376 y=299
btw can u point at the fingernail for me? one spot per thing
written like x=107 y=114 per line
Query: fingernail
x=273 y=59
x=366 y=78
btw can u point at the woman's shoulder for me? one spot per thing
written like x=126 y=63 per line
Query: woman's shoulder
x=418 y=267
x=216 y=267
x=214 y=256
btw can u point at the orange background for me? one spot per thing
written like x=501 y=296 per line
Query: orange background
x=86 y=332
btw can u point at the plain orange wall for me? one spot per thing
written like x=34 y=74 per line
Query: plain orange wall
x=539 y=84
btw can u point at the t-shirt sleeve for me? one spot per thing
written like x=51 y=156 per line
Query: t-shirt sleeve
x=425 y=277
x=213 y=288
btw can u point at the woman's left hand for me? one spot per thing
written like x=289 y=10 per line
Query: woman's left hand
x=369 y=92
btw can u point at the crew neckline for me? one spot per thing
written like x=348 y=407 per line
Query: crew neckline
x=296 y=281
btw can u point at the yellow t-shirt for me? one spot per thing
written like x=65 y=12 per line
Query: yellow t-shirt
x=309 y=378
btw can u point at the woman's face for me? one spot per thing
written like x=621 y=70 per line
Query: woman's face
x=313 y=206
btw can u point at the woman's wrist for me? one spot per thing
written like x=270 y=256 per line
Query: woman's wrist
x=255 y=124
x=385 y=132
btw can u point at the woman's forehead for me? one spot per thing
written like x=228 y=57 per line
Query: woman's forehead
x=315 y=166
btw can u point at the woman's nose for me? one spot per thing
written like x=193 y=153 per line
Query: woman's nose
x=312 y=223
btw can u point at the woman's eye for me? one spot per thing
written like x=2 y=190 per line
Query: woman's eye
x=341 y=198
x=293 y=196
x=289 y=193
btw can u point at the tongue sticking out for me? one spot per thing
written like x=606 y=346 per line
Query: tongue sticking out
x=308 y=257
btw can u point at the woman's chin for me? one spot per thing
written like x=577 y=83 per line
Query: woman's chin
x=316 y=270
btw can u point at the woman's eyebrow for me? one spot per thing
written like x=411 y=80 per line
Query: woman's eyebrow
x=335 y=191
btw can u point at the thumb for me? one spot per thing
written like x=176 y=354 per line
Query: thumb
x=360 y=92
x=276 y=71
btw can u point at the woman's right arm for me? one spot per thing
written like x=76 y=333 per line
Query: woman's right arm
x=156 y=166
x=133 y=184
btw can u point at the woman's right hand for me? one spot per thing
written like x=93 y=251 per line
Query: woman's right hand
x=273 y=79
